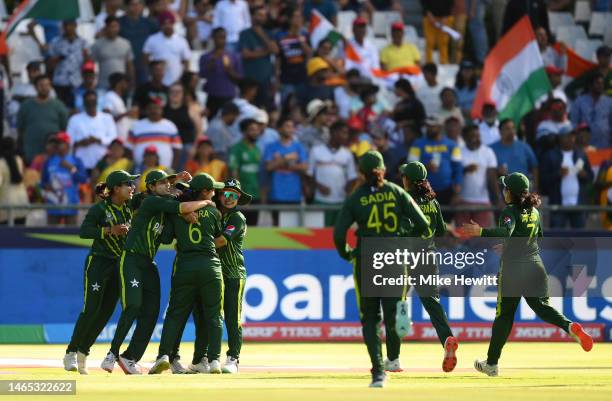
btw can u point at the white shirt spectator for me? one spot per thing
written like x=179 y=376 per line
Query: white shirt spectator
x=115 y=105
x=430 y=97
x=368 y=53
x=332 y=168
x=233 y=16
x=474 y=188
x=550 y=127
x=82 y=126
x=489 y=134
x=173 y=50
x=163 y=134
x=570 y=187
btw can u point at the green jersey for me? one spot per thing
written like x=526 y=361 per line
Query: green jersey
x=514 y=222
x=234 y=231
x=433 y=214
x=101 y=215
x=378 y=212
x=244 y=158
x=197 y=239
x=145 y=234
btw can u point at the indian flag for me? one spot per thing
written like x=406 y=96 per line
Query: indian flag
x=48 y=9
x=320 y=28
x=513 y=76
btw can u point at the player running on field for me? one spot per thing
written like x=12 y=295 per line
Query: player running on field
x=196 y=277
x=414 y=178
x=378 y=207
x=107 y=223
x=521 y=268
x=139 y=278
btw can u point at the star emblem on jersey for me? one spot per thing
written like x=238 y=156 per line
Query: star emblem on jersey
x=134 y=283
x=95 y=287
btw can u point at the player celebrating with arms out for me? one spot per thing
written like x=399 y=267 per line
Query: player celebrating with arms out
x=357 y=208
x=521 y=270
x=107 y=223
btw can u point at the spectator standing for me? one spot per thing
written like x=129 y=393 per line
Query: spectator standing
x=136 y=28
x=579 y=84
x=66 y=55
x=466 y=85
x=317 y=130
x=436 y=13
x=89 y=83
x=199 y=24
x=12 y=188
x=205 y=161
x=316 y=88
x=62 y=174
x=452 y=130
x=408 y=111
x=150 y=162
x=111 y=8
x=220 y=133
x=154 y=90
x=476 y=23
x=429 y=91
x=39 y=118
x=170 y=47
x=548 y=131
x=115 y=159
x=364 y=47
x=460 y=19
x=294 y=52
x=113 y=103
x=332 y=170
x=516 y=9
x=513 y=155
x=189 y=126
x=91 y=132
x=113 y=53
x=222 y=70
x=489 y=126
x=234 y=17
x=595 y=109
x=449 y=108
x=549 y=55
x=399 y=53
x=257 y=48
x=555 y=76
x=394 y=155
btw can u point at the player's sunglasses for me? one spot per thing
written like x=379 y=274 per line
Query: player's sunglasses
x=231 y=195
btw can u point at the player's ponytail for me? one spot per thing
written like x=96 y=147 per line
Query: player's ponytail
x=102 y=190
x=529 y=200
x=423 y=189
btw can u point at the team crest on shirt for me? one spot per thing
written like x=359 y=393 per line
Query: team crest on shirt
x=109 y=217
x=229 y=230
x=507 y=221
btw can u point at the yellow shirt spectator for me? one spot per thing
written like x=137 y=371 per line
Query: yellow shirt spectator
x=406 y=55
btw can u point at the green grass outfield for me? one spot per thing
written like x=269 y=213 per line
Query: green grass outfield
x=338 y=371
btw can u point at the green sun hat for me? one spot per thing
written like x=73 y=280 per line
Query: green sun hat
x=415 y=171
x=234 y=185
x=516 y=183
x=371 y=160
x=158 y=175
x=204 y=181
x=119 y=177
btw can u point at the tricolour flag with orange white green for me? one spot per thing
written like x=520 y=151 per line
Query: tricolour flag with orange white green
x=320 y=28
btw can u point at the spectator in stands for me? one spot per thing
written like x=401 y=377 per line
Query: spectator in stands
x=516 y=9
x=436 y=13
x=459 y=24
x=189 y=124
x=12 y=188
x=286 y=161
x=194 y=100
x=399 y=53
x=294 y=52
x=89 y=83
x=234 y=17
x=513 y=155
x=26 y=90
x=466 y=85
x=595 y=109
x=453 y=130
x=136 y=29
x=116 y=158
x=317 y=130
x=61 y=177
x=346 y=97
x=394 y=155
x=39 y=118
x=549 y=55
x=332 y=170
x=583 y=138
x=565 y=175
x=548 y=131
x=66 y=55
x=245 y=103
x=150 y=161
x=479 y=178
x=113 y=53
x=114 y=104
x=154 y=90
x=316 y=88
x=364 y=49
x=409 y=111
x=170 y=47
x=111 y=8
x=429 y=91
x=555 y=76
x=222 y=70
x=371 y=109
x=476 y=12
x=199 y=24
x=580 y=83
x=206 y=161
x=220 y=133
x=449 y=108
x=257 y=49
x=267 y=134
x=158 y=131
x=443 y=160
x=489 y=126
x=91 y=132
x=244 y=160
x=327 y=8
x=359 y=140
x=325 y=50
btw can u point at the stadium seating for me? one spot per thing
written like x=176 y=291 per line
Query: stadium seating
x=382 y=20
x=582 y=11
x=599 y=21
x=345 y=23
x=587 y=47
x=557 y=20
x=571 y=34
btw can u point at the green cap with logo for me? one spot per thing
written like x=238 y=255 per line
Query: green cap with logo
x=234 y=185
x=119 y=177
x=371 y=160
x=204 y=181
x=415 y=171
x=516 y=183
x=157 y=175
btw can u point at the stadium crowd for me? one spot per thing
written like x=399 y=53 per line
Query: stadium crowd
x=289 y=117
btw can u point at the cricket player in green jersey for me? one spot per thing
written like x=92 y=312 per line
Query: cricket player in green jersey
x=138 y=275
x=196 y=277
x=107 y=224
x=414 y=179
x=378 y=207
x=521 y=267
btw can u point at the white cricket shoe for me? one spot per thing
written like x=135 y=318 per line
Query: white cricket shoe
x=176 y=368
x=108 y=363
x=129 y=366
x=201 y=367
x=162 y=363
x=393 y=365
x=70 y=361
x=484 y=367
x=231 y=365
x=403 y=322
x=215 y=366
x=82 y=363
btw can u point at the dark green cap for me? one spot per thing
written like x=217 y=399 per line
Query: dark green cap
x=158 y=175
x=415 y=171
x=516 y=183
x=371 y=160
x=234 y=185
x=204 y=181
x=118 y=177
